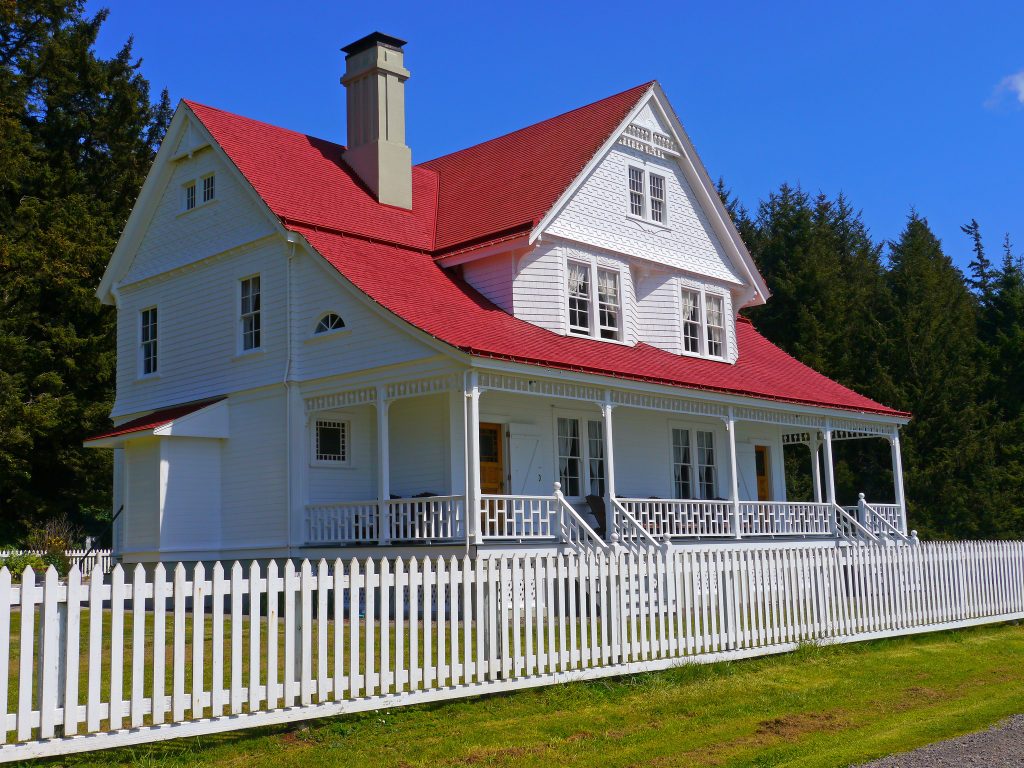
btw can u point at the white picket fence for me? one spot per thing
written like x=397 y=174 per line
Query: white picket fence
x=85 y=559
x=144 y=656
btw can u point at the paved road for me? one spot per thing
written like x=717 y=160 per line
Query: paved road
x=1001 y=746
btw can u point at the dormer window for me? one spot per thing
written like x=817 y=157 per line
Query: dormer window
x=606 y=322
x=703 y=323
x=647 y=196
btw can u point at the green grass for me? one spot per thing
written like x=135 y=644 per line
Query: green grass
x=820 y=706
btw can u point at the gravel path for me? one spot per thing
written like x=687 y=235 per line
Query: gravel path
x=1001 y=746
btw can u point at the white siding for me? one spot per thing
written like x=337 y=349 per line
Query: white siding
x=658 y=311
x=141 y=525
x=254 y=471
x=368 y=340
x=176 y=237
x=749 y=435
x=420 y=450
x=190 y=515
x=539 y=288
x=356 y=481
x=199 y=332
x=493 y=278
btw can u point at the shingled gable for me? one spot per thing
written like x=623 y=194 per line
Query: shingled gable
x=485 y=192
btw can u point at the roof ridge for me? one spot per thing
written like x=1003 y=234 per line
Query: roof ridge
x=560 y=115
x=192 y=104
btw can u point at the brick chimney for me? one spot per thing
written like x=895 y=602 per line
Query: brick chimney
x=374 y=83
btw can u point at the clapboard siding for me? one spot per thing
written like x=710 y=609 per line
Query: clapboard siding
x=368 y=340
x=141 y=523
x=493 y=278
x=538 y=291
x=420 y=453
x=176 y=237
x=199 y=331
x=658 y=311
x=191 y=493
x=356 y=481
x=254 y=466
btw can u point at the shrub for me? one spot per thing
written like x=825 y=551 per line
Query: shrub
x=17 y=563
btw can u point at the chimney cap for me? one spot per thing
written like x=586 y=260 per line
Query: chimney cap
x=371 y=40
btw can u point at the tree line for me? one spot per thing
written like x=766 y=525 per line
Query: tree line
x=896 y=321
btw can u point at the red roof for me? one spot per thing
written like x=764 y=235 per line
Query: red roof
x=155 y=419
x=481 y=193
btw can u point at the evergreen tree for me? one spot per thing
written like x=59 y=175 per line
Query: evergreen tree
x=79 y=133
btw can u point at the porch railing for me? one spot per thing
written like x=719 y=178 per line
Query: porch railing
x=518 y=517
x=425 y=519
x=785 y=518
x=681 y=518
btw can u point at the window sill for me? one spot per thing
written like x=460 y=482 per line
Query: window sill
x=339 y=332
x=249 y=353
x=199 y=206
x=332 y=464
x=642 y=220
x=578 y=335
x=147 y=377
x=698 y=356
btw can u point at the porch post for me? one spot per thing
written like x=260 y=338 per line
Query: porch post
x=734 y=491
x=611 y=518
x=383 y=467
x=814 y=445
x=830 y=479
x=473 y=533
x=897 y=476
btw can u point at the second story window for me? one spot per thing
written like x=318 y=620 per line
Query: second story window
x=190 y=196
x=250 y=313
x=647 y=196
x=209 y=188
x=703 y=323
x=595 y=300
x=147 y=341
x=636 y=191
x=579 y=297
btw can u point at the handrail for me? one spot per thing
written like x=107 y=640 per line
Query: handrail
x=637 y=530
x=578 y=522
x=854 y=523
x=893 y=530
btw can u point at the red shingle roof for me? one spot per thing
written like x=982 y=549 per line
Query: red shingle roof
x=155 y=419
x=483 y=192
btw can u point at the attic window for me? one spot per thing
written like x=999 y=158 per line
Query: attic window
x=190 y=196
x=329 y=322
x=647 y=197
x=209 y=188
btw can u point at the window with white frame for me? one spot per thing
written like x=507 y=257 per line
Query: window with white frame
x=190 y=196
x=331 y=442
x=250 y=315
x=647 y=195
x=329 y=322
x=148 y=341
x=703 y=323
x=584 y=278
x=694 y=472
x=608 y=304
x=209 y=188
x=636 y=191
x=579 y=297
x=581 y=467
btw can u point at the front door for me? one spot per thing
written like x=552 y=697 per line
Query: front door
x=763 y=469
x=492 y=459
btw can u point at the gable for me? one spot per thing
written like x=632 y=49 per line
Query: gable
x=176 y=237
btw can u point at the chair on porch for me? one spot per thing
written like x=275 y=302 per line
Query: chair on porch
x=597 y=509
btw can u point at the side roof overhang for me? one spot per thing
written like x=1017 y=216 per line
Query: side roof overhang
x=206 y=418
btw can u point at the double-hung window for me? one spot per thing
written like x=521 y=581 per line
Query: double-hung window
x=581 y=467
x=647 y=195
x=584 y=279
x=209 y=188
x=148 y=341
x=190 y=196
x=703 y=323
x=250 y=315
x=694 y=472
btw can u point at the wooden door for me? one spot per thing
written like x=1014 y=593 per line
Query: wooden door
x=763 y=470
x=492 y=459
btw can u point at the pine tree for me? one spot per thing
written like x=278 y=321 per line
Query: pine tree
x=82 y=133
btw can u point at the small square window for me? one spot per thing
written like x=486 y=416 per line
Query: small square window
x=190 y=196
x=209 y=188
x=331 y=442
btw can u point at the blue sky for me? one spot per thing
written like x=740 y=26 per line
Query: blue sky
x=896 y=104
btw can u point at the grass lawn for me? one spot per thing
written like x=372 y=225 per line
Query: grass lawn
x=816 y=707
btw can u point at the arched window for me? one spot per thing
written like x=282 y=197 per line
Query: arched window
x=329 y=322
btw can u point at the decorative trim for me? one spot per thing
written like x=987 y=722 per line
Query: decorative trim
x=342 y=399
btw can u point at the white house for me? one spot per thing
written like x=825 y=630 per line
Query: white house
x=325 y=348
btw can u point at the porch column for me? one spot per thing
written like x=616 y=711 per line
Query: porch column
x=734 y=490
x=473 y=534
x=383 y=467
x=611 y=521
x=897 y=477
x=814 y=445
x=830 y=480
